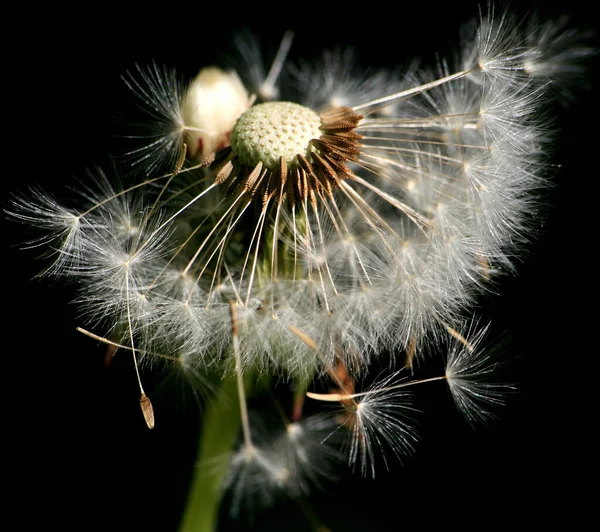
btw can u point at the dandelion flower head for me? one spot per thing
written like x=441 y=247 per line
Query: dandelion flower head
x=300 y=219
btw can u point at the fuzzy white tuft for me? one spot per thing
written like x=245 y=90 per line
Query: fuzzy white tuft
x=472 y=372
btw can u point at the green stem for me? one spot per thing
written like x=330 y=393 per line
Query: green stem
x=220 y=433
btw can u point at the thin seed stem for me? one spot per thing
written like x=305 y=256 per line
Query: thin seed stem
x=219 y=246
x=130 y=327
x=260 y=227
x=145 y=403
x=133 y=187
x=217 y=225
x=172 y=217
x=122 y=346
x=386 y=100
x=336 y=397
x=269 y=83
x=239 y=377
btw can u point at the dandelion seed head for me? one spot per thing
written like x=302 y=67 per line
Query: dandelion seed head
x=365 y=228
x=304 y=239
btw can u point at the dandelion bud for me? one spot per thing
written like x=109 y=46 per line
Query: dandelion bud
x=213 y=102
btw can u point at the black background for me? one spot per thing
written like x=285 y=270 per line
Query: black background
x=79 y=456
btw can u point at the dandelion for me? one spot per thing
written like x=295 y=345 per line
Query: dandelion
x=301 y=221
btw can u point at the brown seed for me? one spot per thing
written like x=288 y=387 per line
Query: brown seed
x=147 y=410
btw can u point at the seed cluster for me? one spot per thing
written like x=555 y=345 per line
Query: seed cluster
x=269 y=131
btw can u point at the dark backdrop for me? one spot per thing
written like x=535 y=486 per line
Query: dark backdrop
x=79 y=455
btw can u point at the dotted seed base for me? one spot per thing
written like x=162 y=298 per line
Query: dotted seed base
x=272 y=130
